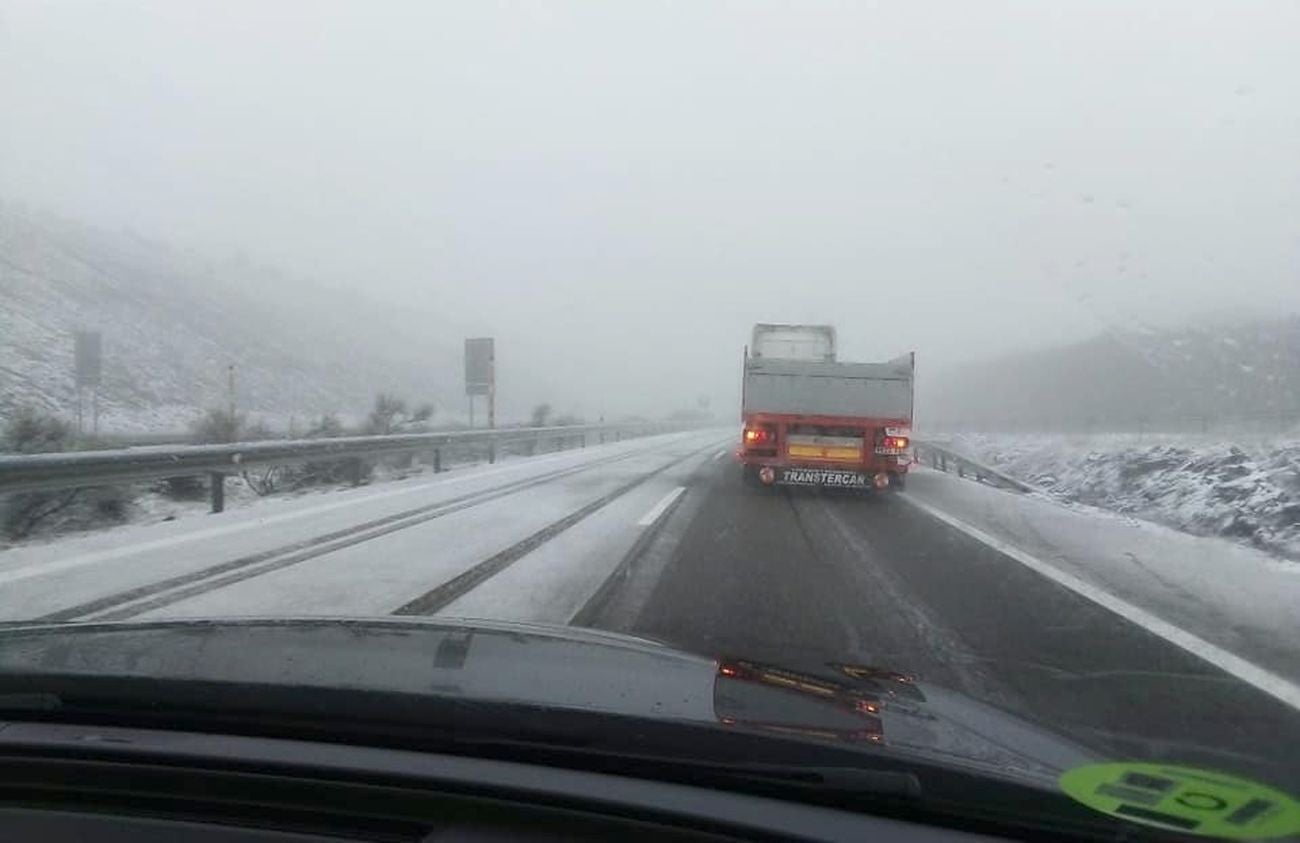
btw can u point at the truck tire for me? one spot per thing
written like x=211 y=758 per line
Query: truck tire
x=897 y=482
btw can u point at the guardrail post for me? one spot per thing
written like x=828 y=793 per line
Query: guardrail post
x=492 y=451
x=437 y=460
x=354 y=471
x=217 y=481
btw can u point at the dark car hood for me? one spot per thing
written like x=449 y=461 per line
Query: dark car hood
x=560 y=667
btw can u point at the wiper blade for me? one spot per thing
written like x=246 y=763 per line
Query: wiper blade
x=35 y=701
x=854 y=779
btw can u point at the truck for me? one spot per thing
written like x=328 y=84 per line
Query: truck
x=810 y=419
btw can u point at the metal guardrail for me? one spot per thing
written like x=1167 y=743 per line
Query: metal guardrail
x=77 y=469
x=945 y=459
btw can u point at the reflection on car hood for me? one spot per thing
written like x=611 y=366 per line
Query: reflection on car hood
x=562 y=667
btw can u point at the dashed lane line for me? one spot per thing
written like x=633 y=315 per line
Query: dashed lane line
x=656 y=512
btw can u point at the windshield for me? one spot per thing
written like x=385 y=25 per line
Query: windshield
x=924 y=365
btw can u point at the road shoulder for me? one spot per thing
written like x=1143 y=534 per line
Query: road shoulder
x=1236 y=598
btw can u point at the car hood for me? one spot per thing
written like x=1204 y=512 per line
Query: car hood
x=875 y=708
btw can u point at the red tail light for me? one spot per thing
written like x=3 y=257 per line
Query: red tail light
x=759 y=436
x=895 y=442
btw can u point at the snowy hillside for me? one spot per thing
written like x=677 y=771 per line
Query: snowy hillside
x=1249 y=491
x=172 y=323
x=1222 y=378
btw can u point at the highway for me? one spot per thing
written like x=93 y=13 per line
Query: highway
x=658 y=537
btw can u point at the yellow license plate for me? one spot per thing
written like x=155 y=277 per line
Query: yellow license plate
x=836 y=453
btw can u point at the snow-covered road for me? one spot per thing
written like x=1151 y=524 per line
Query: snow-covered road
x=1062 y=613
x=361 y=551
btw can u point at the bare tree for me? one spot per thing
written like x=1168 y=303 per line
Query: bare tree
x=218 y=426
x=388 y=413
x=327 y=427
x=30 y=431
x=263 y=481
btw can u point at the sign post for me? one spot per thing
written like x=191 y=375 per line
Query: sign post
x=480 y=379
x=492 y=408
x=89 y=348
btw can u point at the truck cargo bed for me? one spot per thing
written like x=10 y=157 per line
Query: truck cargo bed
x=828 y=389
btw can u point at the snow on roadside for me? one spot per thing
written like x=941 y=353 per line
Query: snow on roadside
x=1248 y=491
x=151 y=503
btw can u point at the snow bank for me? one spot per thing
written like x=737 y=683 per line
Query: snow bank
x=1248 y=491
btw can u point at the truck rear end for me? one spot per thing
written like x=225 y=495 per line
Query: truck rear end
x=810 y=420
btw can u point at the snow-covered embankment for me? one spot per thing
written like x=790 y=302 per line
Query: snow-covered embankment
x=1248 y=490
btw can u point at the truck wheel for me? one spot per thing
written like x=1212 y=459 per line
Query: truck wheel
x=897 y=482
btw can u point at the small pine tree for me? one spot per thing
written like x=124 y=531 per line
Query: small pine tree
x=541 y=415
x=217 y=426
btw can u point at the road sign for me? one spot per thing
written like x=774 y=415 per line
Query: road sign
x=89 y=356
x=480 y=365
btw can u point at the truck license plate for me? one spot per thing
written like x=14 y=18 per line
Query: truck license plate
x=823 y=477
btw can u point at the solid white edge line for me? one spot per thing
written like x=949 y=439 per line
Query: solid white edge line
x=658 y=509
x=1270 y=683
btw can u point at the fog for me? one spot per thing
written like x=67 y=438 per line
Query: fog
x=617 y=191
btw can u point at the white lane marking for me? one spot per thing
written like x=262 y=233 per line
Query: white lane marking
x=1248 y=672
x=658 y=509
x=719 y=454
x=40 y=569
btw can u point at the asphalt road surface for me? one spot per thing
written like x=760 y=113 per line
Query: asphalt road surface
x=797 y=576
x=660 y=538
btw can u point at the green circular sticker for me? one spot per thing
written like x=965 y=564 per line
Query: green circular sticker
x=1185 y=799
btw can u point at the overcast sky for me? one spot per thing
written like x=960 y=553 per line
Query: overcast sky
x=640 y=182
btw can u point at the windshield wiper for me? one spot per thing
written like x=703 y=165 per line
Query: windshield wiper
x=35 y=701
x=840 y=778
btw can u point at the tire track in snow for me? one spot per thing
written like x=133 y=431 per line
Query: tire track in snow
x=166 y=592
